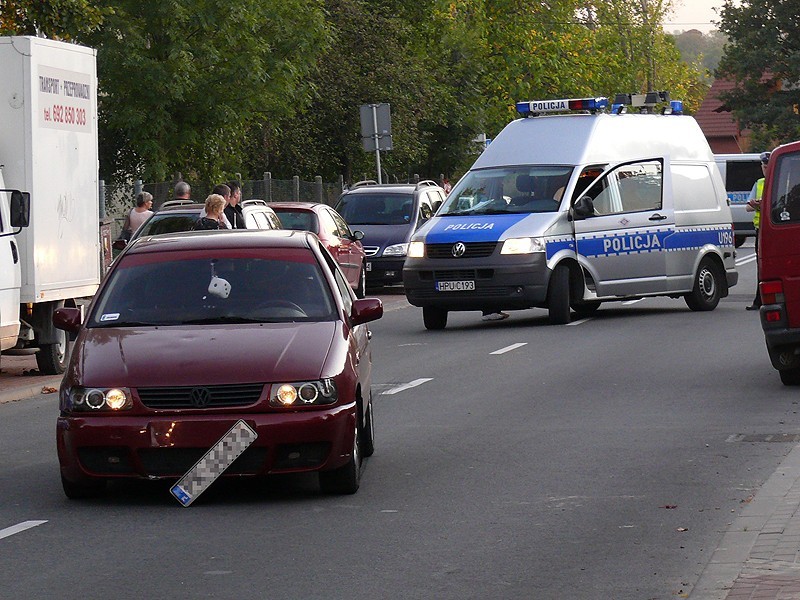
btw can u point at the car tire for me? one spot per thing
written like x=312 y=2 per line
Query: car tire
x=434 y=318
x=361 y=289
x=586 y=309
x=739 y=240
x=52 y=359
x=558 y=296
x=84 y=489
x=790 y=376
x=368 y=431
x=346 y=479
x=707 y=287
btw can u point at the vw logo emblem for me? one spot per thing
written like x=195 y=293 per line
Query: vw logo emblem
x=200 y=397
x=458 y=249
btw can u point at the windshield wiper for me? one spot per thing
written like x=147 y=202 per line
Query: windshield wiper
x=129 y=324
x=223 y=319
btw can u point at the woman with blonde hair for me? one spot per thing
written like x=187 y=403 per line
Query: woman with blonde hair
x=214 y=207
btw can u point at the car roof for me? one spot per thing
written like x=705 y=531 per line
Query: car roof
x=180 y=208
x=297 y=205
x=369 y=187
x=222 y=239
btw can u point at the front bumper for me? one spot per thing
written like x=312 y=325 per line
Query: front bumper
x=385 y=270
x=154 y=447
x=518 y=282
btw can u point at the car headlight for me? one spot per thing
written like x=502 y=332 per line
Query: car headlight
x=526 y=245
x=303 y=393
x=96 y=400
x=416 y=250
x=396 y=250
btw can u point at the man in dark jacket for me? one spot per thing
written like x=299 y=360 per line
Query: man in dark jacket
x=233 y=211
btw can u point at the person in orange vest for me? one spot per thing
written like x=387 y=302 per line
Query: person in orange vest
x=754 y=206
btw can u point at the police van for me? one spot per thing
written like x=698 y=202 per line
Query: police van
x=567 y=211
x=739 y=173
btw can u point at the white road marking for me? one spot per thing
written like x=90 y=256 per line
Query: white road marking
x=579 y=321
x=9 y=531
x=629 y=302
x=407 y=386
x=745 y=260
x=509 y=348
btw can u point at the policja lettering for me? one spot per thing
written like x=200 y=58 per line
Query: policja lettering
x=630 y=243
x=462 y=226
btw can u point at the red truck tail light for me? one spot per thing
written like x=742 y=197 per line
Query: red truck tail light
x=772 y=292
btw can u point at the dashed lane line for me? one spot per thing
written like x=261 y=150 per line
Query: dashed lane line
x=406 y=386
x=509 y=348
x=19 y=527
x=579 y=321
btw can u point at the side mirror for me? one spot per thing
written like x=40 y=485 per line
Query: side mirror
x=20 y=208
x=358 y=236
x=67 y=318
x=366 y=310
x=583 y=207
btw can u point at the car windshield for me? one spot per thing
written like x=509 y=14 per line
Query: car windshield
x=226 y=286
x=168 y=223
x=376 y=209
x=533 y=189
x=299 y=220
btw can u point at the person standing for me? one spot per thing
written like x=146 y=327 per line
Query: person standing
x=224 y=191
x=182 y=191
x=754 y=206
x=212 y=217
x=233 y=210
x=137 y=215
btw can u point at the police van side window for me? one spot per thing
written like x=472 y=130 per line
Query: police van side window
x=632 y=187
x=785 y=200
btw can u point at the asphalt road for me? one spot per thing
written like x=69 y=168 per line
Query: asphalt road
x=514 y=460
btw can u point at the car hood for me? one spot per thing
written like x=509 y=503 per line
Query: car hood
x=208 y=354
x=384 y=235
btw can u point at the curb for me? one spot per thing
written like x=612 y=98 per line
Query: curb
x=28 y=390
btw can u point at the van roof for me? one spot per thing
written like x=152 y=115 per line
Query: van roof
x=601 y=138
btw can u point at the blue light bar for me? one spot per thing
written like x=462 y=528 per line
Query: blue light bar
x=566 y=104
x=676 y=106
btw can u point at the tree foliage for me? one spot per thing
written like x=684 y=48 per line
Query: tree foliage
x=763 y=59
x=55 y=19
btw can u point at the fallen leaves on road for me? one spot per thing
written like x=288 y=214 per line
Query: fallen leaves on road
x=669 y=506
x=682 y=529
x=48 y=390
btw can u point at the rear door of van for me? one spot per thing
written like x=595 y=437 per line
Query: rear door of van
x=779 y=233
x=623 y=242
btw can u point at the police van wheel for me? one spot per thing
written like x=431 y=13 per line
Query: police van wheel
x=434 y=318
x=790 y=376
x=558 y=296
x=707 y=288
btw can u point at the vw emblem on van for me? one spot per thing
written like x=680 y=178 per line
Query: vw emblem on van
x=200 y=397
x=458 y=249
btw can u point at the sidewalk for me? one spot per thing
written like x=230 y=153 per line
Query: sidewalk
x=20 y=378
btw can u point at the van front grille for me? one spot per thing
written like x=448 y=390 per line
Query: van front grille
x=473 y=250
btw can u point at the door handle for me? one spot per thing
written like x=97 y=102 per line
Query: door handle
x=658 y=217
x=14 y=253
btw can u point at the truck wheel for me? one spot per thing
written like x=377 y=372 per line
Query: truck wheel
x=790 y=376
x=434 y=318
x=558 y=296
x=707 y=287
x=52 y=358
x=739 y=240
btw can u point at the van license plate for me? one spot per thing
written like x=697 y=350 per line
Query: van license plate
x=455 y=286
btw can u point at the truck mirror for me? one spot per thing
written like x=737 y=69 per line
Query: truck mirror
x=67 y=318
x=583 y=207
x=20 y=208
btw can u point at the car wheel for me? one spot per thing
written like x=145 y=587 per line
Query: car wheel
x=361 y=290
x=739 y=240
x=368 y=431
x=558 y=296
x=52 y=358
x=790 y=376
x=344 y=480
x=586 y=309
x=707 y=287
x=434 y=318
x=83 y=490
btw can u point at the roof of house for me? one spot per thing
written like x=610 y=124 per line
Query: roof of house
x=714 y=119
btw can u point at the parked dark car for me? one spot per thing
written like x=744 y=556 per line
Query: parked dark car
x=388 y=214
x=260 y=325
x=333 y=232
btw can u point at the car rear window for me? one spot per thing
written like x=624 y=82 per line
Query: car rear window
x=208 y=287
x=166 y=223
x=741 y=175
x=299 y=220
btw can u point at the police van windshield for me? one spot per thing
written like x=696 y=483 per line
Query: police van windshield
x=536 y=189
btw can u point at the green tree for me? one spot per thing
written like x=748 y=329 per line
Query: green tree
x=181 y=81
x=762 y=59
x=55 y=19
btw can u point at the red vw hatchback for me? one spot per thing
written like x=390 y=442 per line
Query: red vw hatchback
x=333 y=232
x=192 y=332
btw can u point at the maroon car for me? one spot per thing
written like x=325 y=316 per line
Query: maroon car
x=192 y=332
x=335 y=234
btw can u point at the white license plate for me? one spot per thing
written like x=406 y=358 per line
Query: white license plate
x=455 y=286
x=369 y=266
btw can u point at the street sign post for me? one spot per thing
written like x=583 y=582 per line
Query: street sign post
x=376 y=130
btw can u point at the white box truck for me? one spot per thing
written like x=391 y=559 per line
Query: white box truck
x=49 y=152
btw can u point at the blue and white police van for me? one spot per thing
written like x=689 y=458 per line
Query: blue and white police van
x=567 y=211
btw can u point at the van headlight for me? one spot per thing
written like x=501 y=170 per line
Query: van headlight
x=416 y=250
x=303 y=393
x=526 y=245
x=96 y=400
x=396 y=250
